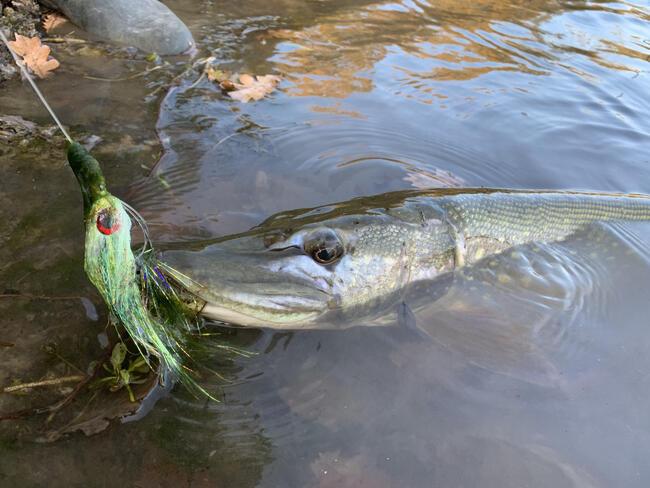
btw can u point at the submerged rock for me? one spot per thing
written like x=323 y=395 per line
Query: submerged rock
x=146 y=24
x=16 y=130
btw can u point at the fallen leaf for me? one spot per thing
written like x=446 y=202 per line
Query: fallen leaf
x=253 y=88
x=98 y=413
x=227 y=86
x=243 y=87
x=52 y=21
x=24 y=45
x=215 y=74
x=246 y=80
x=36 y=56
x=222 y=78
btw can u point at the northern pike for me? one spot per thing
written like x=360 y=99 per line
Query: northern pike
x=321 y=267
x=309 y=268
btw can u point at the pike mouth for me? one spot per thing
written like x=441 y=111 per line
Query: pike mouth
x=264 y=310
x=231 y=316
x=240 y=289
x=274 y=308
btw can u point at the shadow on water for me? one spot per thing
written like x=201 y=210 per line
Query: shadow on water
x=532 y=369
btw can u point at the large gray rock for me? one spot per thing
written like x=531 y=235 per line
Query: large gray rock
x=146 y=24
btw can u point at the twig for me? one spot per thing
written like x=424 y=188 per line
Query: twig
x=224 y=139
x=51 y=382
x=6 y=344
x=17 y=414
x=78 y=416
x=61 y=40
x=176 y=79
x=55 y=407
x=59 y=405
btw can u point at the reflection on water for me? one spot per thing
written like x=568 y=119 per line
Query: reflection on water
x=532 y=371
x=446 y=41
x=522 y=94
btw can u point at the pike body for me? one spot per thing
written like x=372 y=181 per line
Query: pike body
x=323 y=267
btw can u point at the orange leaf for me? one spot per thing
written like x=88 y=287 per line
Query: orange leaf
x=246 y=80
x=253 y=88
x=35 y=55
x=52 y=21
x=23 y=44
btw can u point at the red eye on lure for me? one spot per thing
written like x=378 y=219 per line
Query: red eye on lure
x=107 y=223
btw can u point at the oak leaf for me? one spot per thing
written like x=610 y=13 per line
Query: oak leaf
x=36 y=56
x=52 y=21
x=253 y=88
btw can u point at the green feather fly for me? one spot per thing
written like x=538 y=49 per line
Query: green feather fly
x=136 y=292
x=138 y=295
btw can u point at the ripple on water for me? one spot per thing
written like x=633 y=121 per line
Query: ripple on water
x=534 y=313
x=228 y=173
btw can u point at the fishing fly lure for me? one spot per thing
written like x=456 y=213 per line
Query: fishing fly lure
x=136 y=292
x=138 y=295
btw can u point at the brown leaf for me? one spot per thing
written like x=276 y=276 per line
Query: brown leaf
x=35 y=55
x=227 y=86
x=254 y=88
x=246 y=80
x=52 y=21
x=98 y=413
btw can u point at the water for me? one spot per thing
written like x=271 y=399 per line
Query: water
x=535 y=369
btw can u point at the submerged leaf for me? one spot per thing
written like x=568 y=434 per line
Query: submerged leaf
x=243 y=87
x=36 y=56
x=102 y=408
x=253 y=88
x=118 y=355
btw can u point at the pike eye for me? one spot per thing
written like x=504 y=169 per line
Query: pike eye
x=324 y=246
x=326 y=255
x=107 y=223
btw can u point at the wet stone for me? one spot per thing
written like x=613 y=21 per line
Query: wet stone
x=147 y=24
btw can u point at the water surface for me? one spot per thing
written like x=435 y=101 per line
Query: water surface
x=534 y=369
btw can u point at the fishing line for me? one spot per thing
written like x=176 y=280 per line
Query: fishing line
x=25 y=73
x=21 y=65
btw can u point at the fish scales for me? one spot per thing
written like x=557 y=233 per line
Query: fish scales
x=518 y=218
